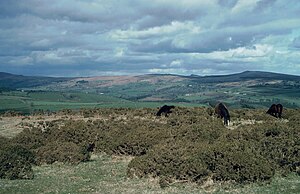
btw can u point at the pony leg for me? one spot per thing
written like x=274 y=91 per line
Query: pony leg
x=225 y=121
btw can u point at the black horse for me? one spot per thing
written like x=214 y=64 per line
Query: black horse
x=90 y=147
x=275 y=110
x=222 y=111
x=165 y=109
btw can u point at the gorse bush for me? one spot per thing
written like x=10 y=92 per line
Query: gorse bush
x=200 y=161
x=15 y=161
x=237 y=161
x=177 y=160
x=3 y=141
x=191 y=144
x=66 y=152
x=77 y=132
x=31 y=139
x=202 y=148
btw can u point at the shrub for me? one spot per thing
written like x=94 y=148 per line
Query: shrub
x=221 y=161
x=173 y=160
x=66 y=152
x=191 y=144
x=3 y=142
x=30 y=138
x=236 y=161
x=201 y=148
x=282 y=147
x=130 y=138
x=16 y=162
x=78 y=132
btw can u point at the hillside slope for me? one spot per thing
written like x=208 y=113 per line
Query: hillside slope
x=244 y=76
x=249 y=89
x=19 y=81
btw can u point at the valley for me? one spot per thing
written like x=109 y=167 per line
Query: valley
x=244 y=90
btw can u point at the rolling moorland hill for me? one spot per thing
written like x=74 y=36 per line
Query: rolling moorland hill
x=13 y=81
x=247 y=75
x=249 y=89
x=19 y=81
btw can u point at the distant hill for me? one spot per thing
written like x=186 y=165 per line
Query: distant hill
x=249 y=89
x=8 y=80
x=244 y=76
x=13 y=81
x=104 y=81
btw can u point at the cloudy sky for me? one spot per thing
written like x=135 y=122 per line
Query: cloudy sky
x=117 y=37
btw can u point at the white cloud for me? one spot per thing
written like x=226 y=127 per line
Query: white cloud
x=41 y=43
x=21 y=61
x=176 y=63
x=139 y=36
x=255 y=51
x=161 y=31
x=119 y=52
x=244 y=6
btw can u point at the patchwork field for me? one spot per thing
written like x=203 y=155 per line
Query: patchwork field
x=242 y=90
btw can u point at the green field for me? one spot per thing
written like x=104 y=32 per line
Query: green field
x=31 y=101
x=243 y=90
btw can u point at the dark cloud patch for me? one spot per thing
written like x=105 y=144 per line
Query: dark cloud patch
x=264 y=4
x=227 y=3
x=12 y=8
x=296 y=43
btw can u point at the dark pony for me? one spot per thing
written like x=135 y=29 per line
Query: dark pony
x=222 y=111
x=165 y=109
x=90 y=147
x=275 y=110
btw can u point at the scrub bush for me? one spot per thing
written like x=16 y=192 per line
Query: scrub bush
x=30 y=138
x=66 y=152
x=191 y=144
x=16 y=162
x=201 y=148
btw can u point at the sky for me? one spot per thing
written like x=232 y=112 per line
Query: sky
x=131 y=37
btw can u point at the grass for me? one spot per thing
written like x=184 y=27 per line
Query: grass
x=104 y=174
x=107 y=174
x=279 y=185
x=53 y=101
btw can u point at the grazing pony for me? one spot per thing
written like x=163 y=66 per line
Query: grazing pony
x=90 y=147
x=275 y=110
x=222 y=111
x=165 y=109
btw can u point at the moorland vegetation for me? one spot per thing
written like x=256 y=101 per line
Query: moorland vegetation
x=190 y=145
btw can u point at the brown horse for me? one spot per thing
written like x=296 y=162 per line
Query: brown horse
x=222 y=111
x=275 y=110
